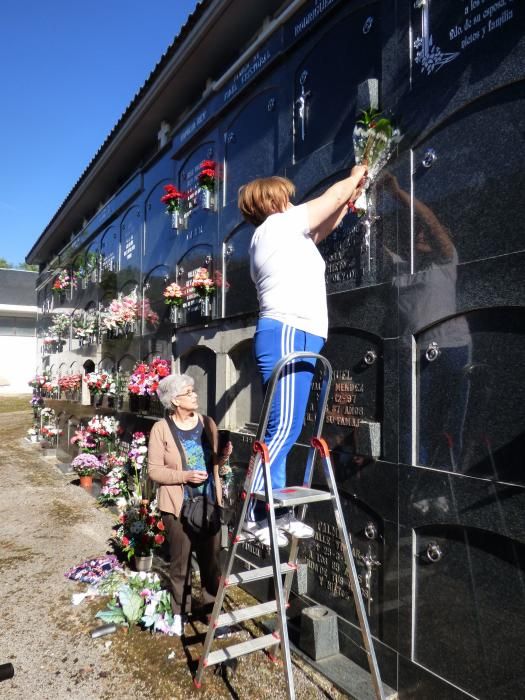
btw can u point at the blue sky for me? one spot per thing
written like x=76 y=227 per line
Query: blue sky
x=67 y=72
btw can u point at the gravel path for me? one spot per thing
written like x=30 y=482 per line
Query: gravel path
x=49 y=525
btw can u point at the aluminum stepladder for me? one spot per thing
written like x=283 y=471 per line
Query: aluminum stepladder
x=279 y=498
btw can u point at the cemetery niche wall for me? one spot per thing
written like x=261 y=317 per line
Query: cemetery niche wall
x=426 y=299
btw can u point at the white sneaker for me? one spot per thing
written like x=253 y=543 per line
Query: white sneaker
x=261 y=532
x=288 y=523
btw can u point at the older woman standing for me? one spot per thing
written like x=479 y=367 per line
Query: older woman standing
x=185 y=464
x=289 y=273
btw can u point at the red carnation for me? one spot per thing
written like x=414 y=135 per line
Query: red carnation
x=159 y=539
x=125 y=541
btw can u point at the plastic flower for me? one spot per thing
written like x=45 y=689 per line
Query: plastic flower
x=173 y=199
x=64 y=280
x=101 y=383
x=202 y=283
x=173 y=295
x=139 y=532
x=207 y=175
x=145 y=378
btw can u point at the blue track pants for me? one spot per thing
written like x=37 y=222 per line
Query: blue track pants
x=274 y=340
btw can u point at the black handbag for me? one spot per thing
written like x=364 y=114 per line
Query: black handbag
x=201 y=516
x=198 y=514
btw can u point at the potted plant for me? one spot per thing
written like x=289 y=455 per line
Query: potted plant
x=174 y=298
x=85 y=328
x=85 y=465
x=144 y=381
x=100 y=384
x=205 y=287
x=108 y=463
x=115 y=490
x=105 y=431
x=174 y=201
x=207 y=179
x=70 y=385
x=36 y=404
x=62 y=282
x=121 y=316
x=85 y=441
x=140 y=531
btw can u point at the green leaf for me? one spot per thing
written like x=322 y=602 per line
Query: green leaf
x=384 y=125
x=132 y=604
x=115 y=615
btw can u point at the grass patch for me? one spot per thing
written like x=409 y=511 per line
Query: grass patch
x=17 y=402
x=63 y=513
x=15 y=555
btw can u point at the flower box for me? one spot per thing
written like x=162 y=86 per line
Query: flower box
x=139 y=404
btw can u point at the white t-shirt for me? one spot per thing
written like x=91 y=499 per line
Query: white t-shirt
x=288 y=271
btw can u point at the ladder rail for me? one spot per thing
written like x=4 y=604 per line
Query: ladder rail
x=278 y=581
x=219 y=597
x=366 y=635
x=318 y=447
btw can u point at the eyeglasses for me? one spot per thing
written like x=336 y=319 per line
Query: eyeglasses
x=188 y=392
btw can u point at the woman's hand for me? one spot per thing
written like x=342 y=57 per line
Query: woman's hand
x=359 y=171
x=195 y=476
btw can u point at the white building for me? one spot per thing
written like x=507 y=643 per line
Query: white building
x=18 y=347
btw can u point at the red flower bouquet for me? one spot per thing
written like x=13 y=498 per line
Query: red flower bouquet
x=208 y=175
x=140 y=529
x=173 y=199
x=146 y=377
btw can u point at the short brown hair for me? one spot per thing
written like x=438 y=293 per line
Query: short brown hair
x=264 y=196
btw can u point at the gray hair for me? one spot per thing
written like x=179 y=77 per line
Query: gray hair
x=172 y=385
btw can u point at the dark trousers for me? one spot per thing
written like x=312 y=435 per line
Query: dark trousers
x=181 y=544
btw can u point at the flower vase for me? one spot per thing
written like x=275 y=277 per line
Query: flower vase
x=86 y=481
x=207 y=198
x=174 y=314
x=143 y=562
x=178 y=220
x=206 y=306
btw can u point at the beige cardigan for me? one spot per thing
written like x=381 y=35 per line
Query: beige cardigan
x=165 y=464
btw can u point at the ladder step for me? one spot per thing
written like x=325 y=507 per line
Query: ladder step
x=249 y=613
x=295 y=496
x=235 y=650
x=257 y=574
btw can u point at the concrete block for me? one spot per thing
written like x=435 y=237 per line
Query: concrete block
x=319 y=637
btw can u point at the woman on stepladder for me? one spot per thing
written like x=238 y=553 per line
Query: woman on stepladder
x=289 y=273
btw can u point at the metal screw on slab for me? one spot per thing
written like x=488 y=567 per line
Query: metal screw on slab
x=370 y=357
x=429 y=158
x=433 y=552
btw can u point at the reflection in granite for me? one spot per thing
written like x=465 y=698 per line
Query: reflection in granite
x=239 y=289
x=199 y=364
x=471 y=414
x=475 y=580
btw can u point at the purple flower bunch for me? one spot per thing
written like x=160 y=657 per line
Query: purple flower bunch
x=85 y=464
